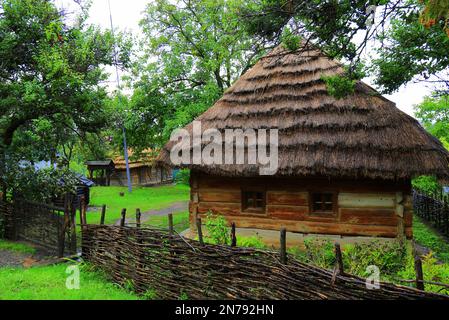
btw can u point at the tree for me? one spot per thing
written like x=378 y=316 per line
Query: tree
x=412 y=35
x=433 y=113
x=194 y=50
x=50 y=81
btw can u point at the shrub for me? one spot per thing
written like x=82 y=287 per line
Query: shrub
x=389 y=257
x=251 y=242
x=183 y=177
x=318 y=252
x=426 y=184
x=217 y=229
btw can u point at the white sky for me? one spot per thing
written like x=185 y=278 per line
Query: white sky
x=127 y=14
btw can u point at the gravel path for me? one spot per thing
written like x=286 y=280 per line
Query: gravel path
x=173 y=208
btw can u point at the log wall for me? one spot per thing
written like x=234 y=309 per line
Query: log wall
x=364 y=207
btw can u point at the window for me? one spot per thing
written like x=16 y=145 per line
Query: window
x=253 y=201
x=323 y=202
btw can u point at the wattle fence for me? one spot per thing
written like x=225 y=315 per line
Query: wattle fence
x=161 y=264
x=433 y=208
x=50 y=227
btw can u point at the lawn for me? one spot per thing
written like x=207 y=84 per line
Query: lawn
x=49 y=283
x=16 y=247
x=426 y=237
x=180 y=221
x=143 y=198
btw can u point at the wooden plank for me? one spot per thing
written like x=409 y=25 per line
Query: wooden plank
x=309 y=227
x=220 y=196
x=287 y=198
x=288 y=212
x=366 y=200
x=220 y=208
x=382 y=217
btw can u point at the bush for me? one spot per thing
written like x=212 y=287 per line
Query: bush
x=389 y=257
x=318 y=252
x=426 y=184
x=432 y=271
x=217 y=229
x=251 y=242
x=183 y=177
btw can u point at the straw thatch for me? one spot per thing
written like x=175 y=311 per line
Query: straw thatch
x=362 y=135
x=146 y=159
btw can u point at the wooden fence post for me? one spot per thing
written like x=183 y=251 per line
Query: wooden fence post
x=233 y=236
x=138 y=218
x=200 y=231
x=419 y=274
x=339 y=259
x=103 y=214
x=170 y=224
x=73 y=242
x=283 y=247
x=123 y=220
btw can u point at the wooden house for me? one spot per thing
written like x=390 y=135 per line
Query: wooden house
x=345 y=165
x=144 y=170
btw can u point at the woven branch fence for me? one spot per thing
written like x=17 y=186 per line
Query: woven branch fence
x=156 y=260
x=434 y=208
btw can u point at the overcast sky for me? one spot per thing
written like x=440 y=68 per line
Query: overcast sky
x=126 y=16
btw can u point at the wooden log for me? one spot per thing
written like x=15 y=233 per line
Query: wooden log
x=103 y=214
x=200 y=231
x=419 y=274
x=233 y=236
x=123 y=219
x=170 y=224
x=73 y=243
x=138 y=218
x=283 y=246
x=339 y=259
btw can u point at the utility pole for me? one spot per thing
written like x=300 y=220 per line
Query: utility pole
x=125 y=147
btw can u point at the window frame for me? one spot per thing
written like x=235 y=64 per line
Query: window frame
x=325 y=214
x=253 y=210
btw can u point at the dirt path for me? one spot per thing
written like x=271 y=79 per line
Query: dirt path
x=14 y=259
x=173 y=208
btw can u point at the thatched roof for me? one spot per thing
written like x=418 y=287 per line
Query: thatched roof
x=146 y=159
x=362 y=135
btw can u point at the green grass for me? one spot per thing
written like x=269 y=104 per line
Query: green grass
x=49 y=283
x=143 y=198
x=16 y=247
x=426 y=237
x=180 y=221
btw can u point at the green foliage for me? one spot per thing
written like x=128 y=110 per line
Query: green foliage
x=16 y=246
x=432 y=271
x=193 y=51
x=183 y=296
x=413 y=34
x=49 y=283
x=143 y=198
x=251 y=242
x=51 y=82
x=430 y=239
x=319 y=252
x=217 y=229
x=289 y=40
x=433 y=113
x=339 y=86
x=183 y=177
x=427 y=184
x=150 y=294
x=387 y=256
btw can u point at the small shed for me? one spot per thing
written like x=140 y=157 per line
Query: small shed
x=100 y=171
x=344 y=166
x=144 y=170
